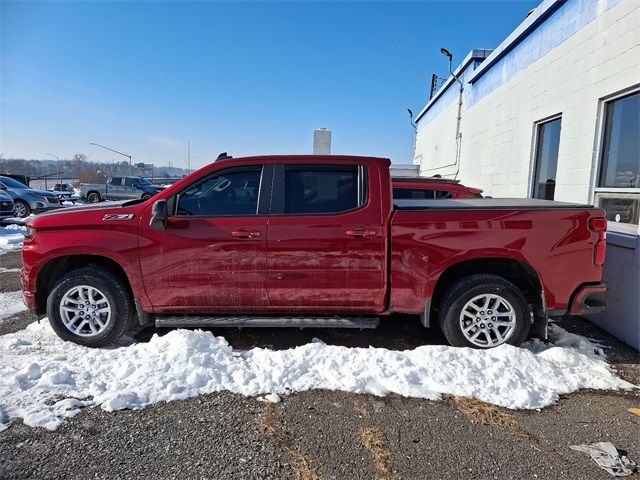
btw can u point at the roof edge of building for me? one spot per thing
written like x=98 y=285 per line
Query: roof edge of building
x=472 y=55
x=522 y=31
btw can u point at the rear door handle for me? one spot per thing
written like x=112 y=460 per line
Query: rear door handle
x=244 y=233
x=360 y=232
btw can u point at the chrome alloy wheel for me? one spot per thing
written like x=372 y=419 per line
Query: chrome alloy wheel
x=487 y=320
x=85 y=311
x=20 y=210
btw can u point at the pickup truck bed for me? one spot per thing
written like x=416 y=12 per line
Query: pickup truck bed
x=485 y=204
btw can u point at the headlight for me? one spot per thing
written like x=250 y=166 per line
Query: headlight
x=31 y=233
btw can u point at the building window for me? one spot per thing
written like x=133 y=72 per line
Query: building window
x=618 y=186
x=546 y=159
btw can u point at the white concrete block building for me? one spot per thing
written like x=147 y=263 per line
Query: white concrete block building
x=553 y=112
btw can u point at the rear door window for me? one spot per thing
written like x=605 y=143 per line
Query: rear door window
x=323 y=189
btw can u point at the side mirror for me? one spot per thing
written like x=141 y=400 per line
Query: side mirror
x=159 y=215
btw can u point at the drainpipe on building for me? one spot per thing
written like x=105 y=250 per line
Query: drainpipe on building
x=415 y=134
x=448 y=54
x=458 y=132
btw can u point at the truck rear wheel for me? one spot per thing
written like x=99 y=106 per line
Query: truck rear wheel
x=93 y=197
x=484 y=311
x=90 y=307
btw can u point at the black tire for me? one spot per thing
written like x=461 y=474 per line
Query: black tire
x=21 y=209
x=94 y=197
x=472 y=286
x=122 y=312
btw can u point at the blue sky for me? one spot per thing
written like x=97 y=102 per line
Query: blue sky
x=243 y=77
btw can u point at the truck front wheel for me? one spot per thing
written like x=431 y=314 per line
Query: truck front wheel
x=90 y=306
x=484 y=311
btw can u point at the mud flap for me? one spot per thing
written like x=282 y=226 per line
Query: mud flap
x=540 y=326
x=144 y=318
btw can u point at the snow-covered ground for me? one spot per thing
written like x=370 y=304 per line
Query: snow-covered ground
x=11 y=237
x=44 y=380
x=10 y=304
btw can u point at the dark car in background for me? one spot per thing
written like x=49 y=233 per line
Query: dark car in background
x=66 y=192
x=6 y=205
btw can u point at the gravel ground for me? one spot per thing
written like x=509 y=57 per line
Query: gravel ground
x=323 y=434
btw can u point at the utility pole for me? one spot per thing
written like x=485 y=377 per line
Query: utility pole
x=188 y=157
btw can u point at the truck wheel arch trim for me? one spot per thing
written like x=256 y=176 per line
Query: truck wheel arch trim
x=465 y=266
x=57 y=266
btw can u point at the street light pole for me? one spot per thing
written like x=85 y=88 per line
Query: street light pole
x=119 y=153
x=57 y=165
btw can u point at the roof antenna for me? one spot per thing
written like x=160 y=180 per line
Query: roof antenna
x=222 y=156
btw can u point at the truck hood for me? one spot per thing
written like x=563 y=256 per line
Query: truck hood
x=89 y=215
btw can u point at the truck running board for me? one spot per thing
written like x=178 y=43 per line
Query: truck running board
x=197 y=321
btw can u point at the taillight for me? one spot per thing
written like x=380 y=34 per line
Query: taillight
x=599 y=225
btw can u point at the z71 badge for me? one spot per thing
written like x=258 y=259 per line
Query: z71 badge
x=118 y=216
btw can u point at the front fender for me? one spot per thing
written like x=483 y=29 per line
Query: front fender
x=114 y=244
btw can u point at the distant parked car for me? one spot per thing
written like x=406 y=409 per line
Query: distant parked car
x=27 y=200
x=6 y=205
x=421 y=188
x=119 y=188
x=66 y=192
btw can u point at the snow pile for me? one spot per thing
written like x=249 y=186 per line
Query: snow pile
x=45 y=380
x=10 y=304
x=9 y=270
x=11 y=237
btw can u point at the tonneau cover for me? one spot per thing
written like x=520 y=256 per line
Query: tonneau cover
x=484 y=204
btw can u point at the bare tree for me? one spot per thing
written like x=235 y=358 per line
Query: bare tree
x=87 y=174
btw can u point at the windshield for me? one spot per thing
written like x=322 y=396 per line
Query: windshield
x=143 y=181
x=11 y=183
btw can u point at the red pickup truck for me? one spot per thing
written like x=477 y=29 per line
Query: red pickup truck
x=311 y=241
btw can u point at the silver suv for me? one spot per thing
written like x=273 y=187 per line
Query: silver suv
x=28 y=200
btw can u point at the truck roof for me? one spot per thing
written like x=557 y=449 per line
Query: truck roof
x=306 y=157
x=484 y=204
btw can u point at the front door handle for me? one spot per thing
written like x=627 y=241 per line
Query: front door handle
x=361 y=232
x=244 y=233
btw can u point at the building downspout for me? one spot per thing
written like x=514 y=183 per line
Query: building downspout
x=415 y=134
x=458 y=132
